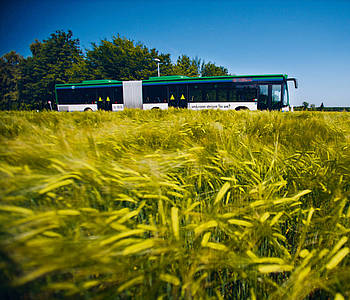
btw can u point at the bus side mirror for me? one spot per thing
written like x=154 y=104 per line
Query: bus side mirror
x=295 y=82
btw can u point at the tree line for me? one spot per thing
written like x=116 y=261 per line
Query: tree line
x=29 y=83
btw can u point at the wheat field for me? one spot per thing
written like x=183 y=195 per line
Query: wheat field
x=174 y=204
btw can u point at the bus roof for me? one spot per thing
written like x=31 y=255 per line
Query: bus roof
x=181 y=78
x=91 y=82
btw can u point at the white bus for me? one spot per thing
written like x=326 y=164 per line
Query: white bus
x=252 y=92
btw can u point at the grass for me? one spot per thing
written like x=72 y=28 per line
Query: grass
x=175 y=204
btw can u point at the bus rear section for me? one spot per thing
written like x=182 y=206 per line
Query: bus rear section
x=90 y=96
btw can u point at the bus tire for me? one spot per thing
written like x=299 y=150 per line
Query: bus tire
x=155 y=107
x=88 y=109
x=242 y=108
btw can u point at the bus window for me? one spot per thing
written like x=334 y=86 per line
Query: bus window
x=222 y=91
x=246 y=93
x=285 y=96
x=88 y=95
x=155 y=94
x=194 y=93
x=118 y=95
x=232 y=93
x=70 y=96
x=63 y=96
x=202 y=92
x=276 y=96
x=209 y=93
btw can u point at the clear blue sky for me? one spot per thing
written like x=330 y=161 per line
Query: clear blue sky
x=309 y=40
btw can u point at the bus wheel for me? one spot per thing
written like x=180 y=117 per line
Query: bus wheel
x=241 y=108
x=88 y=109
x=155 y=108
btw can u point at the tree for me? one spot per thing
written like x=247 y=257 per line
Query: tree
x=79 y=71
x=210 y=69
x=30 y=83
x=186 y=66
x=52 y=62
x=305 y=105
x=9 y=76
x=122 y=59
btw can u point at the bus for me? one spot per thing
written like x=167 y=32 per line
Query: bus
x=250 y=92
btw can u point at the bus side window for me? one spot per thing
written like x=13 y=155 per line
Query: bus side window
x=88 y=95
x=194 y=93
x=154 y=94
x=118 y=95
x=246 y=93
x=222 y=91
x=209 y=92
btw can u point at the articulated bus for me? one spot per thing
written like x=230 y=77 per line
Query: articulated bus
x=254 y=92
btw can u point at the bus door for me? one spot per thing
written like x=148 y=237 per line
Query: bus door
x=263 y=97
x=270 y=97
x=276 y=96
x=104 y=98
x=178 y=96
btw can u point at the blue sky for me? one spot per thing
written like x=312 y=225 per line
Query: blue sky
x=309 y=40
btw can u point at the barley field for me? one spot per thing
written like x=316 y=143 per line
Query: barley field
x=174 y=204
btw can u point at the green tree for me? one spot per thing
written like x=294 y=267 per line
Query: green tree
x=186 y=66
x=210 y=69
x=79 y=71
x=30 y=82
x=305 y=105
x=9 y=76
x=122 y=59
x=52 y=62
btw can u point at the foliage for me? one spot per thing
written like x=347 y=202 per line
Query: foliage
x=50 y=64
x=186 y=66
x=175 y=204
x=339 y=109
x=29 y=83
x=210 y=69
x=9 y=76
x=305 y=105
x=196 y=67
x=121 y=59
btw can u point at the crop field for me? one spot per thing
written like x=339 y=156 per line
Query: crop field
x=174 y=204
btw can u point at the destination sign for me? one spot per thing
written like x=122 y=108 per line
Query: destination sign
x=242 y=80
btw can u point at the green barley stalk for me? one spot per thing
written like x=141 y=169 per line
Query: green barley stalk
x=175 y=204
